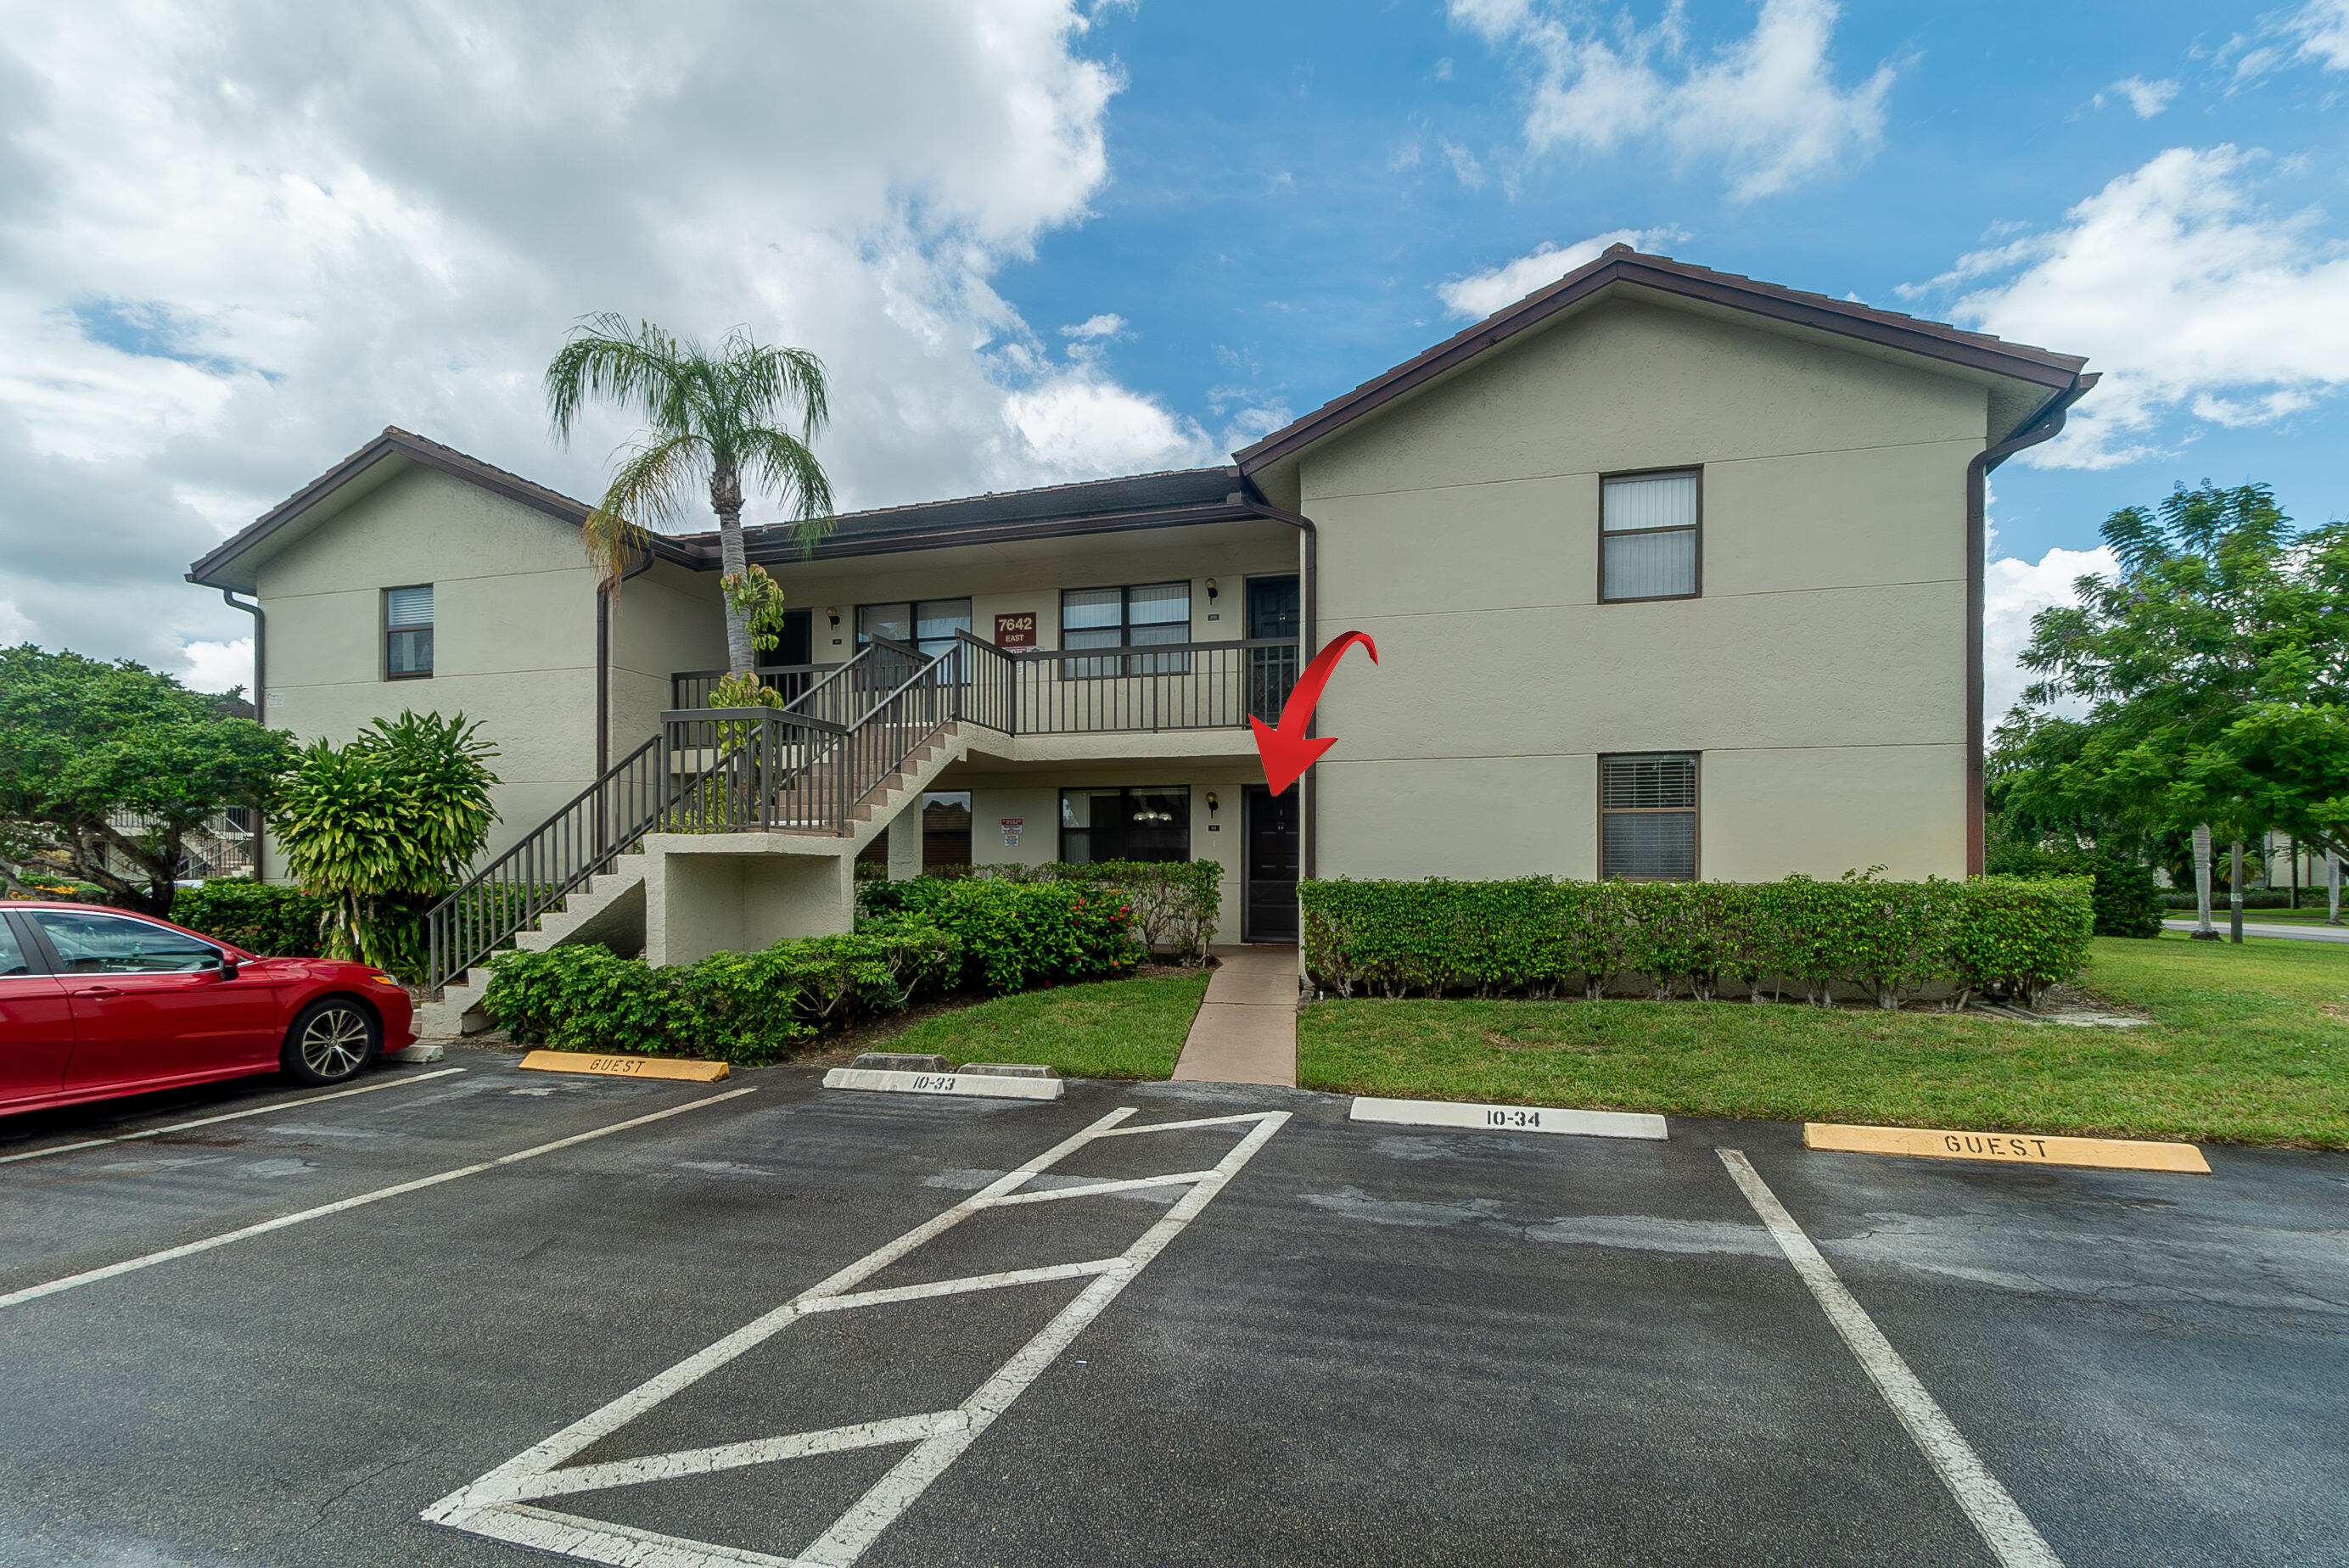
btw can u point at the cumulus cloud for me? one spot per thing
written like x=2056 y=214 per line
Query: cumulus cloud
x=2148 y=98
x=2190 y=295
x=243 y=235
x=1485 y=293
x=216 y=667
x=1768 y=108
x=2316 y=33
x=1106 y=324
x=2014 y=590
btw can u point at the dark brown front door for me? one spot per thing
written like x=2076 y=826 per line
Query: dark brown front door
x=1269 y=886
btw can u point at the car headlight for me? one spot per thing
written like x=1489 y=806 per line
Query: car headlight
x=381 y=978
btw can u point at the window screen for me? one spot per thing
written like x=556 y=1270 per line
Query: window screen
x=1647 y=816
x=408 y=632
x=1648 y=536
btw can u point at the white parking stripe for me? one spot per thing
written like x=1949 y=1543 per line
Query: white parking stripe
x=1053 y=1194
x=231 y=1116
x=2010 y=1535
x=493 y=1505
x=91 y=1276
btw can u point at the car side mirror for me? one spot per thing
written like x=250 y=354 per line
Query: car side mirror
x=225 y=965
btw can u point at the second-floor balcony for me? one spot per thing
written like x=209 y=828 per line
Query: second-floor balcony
x=1085 y=691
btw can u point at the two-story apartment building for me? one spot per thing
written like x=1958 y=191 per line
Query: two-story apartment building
x=1672 y=573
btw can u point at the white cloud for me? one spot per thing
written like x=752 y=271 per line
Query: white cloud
x=2148 y=98
x=2014 y=590
x=2190 y=295
x=1106 y=324
x=2317 y=32
x=1765 y=108
x=216 y=667
x=243 y=235
x=1464 y=166
x=1485 y=293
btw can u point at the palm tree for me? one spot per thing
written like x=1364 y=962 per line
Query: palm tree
x=710 y=417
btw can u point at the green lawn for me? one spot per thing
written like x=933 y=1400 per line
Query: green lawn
x=1112 y=1028
x=2250 y=1045
x=2303 y=915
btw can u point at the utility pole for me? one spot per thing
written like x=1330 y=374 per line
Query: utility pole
x=2333 y=887
x=2202 y=932
x=2235 y=897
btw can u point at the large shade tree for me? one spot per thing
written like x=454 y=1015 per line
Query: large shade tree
x=2213 y=668
x=107 y=770
x=716 y=420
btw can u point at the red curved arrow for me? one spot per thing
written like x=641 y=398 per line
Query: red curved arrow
x=1288 y=751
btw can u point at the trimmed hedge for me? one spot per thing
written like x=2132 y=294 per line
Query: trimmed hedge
x=1013 y=935
x=1174 y=903
x=268 y=918
x=748 y=1009
x=2128 y=901
x=1891 y=941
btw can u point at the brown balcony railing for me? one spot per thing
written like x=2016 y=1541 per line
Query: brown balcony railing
x=691 y=688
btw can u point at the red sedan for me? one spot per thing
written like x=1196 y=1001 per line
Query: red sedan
x=96 y=1003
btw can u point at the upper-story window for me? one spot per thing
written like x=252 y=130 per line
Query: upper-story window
x=929 y=624
x=1150 y=614
x=1648 y=536
x=407 y=632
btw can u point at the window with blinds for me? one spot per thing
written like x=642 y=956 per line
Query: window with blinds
x=1647 y=816
x=1648 y=537
x=408 y=632
x=1148 y=615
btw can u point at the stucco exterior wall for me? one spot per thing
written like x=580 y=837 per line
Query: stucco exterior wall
x=665 y=620
x=513 y=632
x=1821 y=674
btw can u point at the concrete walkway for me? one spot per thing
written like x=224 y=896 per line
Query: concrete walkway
x=2253 y=928
x=1246 y=1031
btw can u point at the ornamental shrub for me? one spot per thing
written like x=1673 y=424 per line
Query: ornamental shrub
x=1891 y=941
x=268 y=918
x=1174 y=903
x=2129 y=903
x=1014 y=936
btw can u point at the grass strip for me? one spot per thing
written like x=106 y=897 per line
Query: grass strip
x=1107 y=1029
x=2248 y=1044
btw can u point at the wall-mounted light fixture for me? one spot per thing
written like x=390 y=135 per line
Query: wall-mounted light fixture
x=1211 y=590
x=1211 y=802
x=832 y=613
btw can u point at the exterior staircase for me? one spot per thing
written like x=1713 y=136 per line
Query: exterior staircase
x=820 y=777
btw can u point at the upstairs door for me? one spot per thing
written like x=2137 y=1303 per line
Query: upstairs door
x=1274 y=609
x=1269 y=898
x=784 y=665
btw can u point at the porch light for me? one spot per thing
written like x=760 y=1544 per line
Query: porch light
x=1211 y=590
x=832 y=613
x=1211 y=802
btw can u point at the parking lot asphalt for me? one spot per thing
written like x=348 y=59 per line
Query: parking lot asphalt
x=1345 y=1343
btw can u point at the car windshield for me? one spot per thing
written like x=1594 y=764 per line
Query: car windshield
x=116 y=944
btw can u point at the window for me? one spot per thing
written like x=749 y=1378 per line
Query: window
x=12 y=951
x=407 y=632
x=1648 y=536
x=945 y=830
x=929 y=624
x=1152 y=614
x=1125 y=825
x=1647 y=816
x=110 y=944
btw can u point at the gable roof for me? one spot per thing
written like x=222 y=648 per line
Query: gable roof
x=1620 y=267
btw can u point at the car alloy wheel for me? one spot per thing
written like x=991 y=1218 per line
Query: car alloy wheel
x=334 y=1043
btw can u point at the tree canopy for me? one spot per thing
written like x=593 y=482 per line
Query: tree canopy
x=2213 y=668
x=106 y=768
x=715 y=420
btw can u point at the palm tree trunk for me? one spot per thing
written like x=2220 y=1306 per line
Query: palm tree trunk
x=726 y=498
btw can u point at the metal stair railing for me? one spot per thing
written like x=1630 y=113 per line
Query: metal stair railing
x=803 y=766
x=580 y=840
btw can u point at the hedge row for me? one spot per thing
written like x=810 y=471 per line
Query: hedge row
x=1010 y=935
x=2128 y=901
x=1174 y=903
x=268 y=918
x=748 y=1009
x=1891 y=941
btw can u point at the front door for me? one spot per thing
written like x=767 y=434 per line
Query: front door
x=1269 y=895
x=151 y=1003
x=1273 y=610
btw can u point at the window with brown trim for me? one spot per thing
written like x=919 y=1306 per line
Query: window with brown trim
x=1648 y=536
x=1647 y=816
x=408 y=632
x=1144 y=615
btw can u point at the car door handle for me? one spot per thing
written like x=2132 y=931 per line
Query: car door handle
x=100 y=991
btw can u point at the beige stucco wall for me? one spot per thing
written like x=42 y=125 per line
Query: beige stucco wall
x=1821 y=674
x=513 y=632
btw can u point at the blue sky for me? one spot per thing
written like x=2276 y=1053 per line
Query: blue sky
x=1044 y=240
